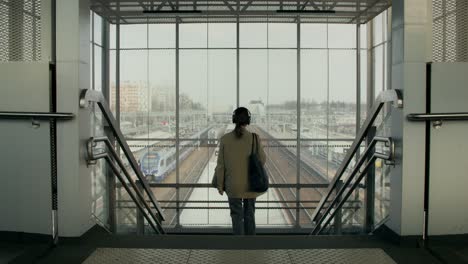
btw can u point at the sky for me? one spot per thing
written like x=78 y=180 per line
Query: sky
x=328 y=61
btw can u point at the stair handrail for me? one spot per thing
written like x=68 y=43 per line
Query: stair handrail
x=369 y=156
x=390 y=96
x=112 y=156
x=89 y=96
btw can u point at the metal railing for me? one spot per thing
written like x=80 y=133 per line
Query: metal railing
x=459 y=116
x=52 y=117
x=36 y=115
x=351 y=183
x=322 y=220
x=437 y=120
x=89 y=96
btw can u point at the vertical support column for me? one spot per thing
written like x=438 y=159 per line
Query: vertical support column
x=177 y=126
x=298 y=124
x=338 y=218
x=111 y=181
x=73 y=61
x=369 y=195
x=110 y=177
x=139 y=217
x=117 y=69
x=411 y=49
x=105 y=68
x=53 y=127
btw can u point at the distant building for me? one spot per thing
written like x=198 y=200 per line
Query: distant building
x=163 y=98
x=134 y=97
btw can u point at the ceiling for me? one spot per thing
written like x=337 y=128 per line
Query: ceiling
x=226 y=11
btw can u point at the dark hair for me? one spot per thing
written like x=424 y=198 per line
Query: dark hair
x=240 y=117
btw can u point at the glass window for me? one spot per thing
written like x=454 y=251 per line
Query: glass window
x=134 y=93
x=342 y=90
x=314 y=93
x=342 y=36
x=222 y=35
x=363 y=33
x=112 y=36
x=162 y=36
x=222 y=87
x=363 y=87
x=378 y=28
x=112 y=81
x=253 y=35
x=314 y=36
x=133 y=36
x=378 y=69
x=193 y=99
x=97 y=29
x=282 y=93
x=162 y=81
x=193 y=35
x=253 y=92
x=97 y=68
x=282 y=35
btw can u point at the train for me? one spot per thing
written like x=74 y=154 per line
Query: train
x=156 y=165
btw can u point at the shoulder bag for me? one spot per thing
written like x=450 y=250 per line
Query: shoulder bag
x=258 y=178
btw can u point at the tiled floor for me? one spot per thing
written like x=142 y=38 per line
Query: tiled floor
x=97 y=246
x=302 y=256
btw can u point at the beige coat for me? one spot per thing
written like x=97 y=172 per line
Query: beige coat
x=233 y=163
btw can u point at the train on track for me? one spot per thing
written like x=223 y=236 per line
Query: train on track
x=156 y=165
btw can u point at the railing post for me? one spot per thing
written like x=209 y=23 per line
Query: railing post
x=139 y=217
x=339 y=213
x=111 y=187
x=370 y=188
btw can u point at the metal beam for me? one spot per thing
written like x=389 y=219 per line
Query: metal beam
x=246 y=5
x=365 y=10
x=228 y=5
x=161 y=5
x=309 y=3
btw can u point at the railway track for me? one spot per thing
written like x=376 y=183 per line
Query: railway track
x=188 y=174
x=282 y=168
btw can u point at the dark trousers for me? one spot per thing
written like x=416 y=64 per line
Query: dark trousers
x=242 y=215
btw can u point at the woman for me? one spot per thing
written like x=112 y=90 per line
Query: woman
x=232 y=172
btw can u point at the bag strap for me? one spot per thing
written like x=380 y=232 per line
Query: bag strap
x=254 y=139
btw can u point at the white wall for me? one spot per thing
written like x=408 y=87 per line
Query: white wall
x=448 y=200
x=25 y=189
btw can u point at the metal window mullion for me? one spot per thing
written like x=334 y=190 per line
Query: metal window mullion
x=383 y=53
x=105 y=60
x=358 y=71
x=93 y=68
x=370 y=68
x=328 y=95
x=237 y=60
x=298 y=121
x=177 y=125
x=105 y=84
